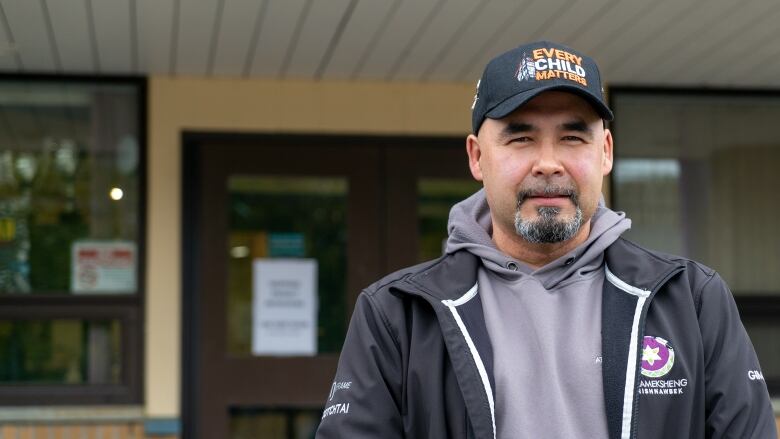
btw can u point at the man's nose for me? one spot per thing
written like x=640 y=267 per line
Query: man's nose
x=547 y=163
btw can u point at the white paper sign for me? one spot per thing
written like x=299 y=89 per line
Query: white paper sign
x=103 y=267
x=284 y=307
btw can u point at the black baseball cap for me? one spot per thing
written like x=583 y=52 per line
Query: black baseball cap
x=517 y=76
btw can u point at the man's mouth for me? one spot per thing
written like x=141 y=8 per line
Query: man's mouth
x=550 y=195
x=549 y=200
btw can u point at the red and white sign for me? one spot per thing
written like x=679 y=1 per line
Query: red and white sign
x=103 y=267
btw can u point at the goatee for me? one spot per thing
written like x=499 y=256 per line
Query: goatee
x=548 y=227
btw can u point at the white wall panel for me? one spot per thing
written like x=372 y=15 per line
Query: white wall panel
x=235 y=36
x=399 y=33
x=568 y=18
x=589 y=31
x=366 y=21
x=670 y=40
x=474 y=40
x=113 y=34
x=743 y=56
x=155 y=26
x=438 y=39
x=625 y=44
x=532 y=23
x=8 y=55
x=664 y=42
x=707 y=42
x=71 y=31
x=317 y=32
x=25 y=18
x=275 y=36
x=196 y=28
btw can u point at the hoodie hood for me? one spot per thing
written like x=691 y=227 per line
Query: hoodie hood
x=470 y=228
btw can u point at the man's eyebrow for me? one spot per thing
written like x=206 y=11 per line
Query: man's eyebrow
x=513 y=128
x=577 y=125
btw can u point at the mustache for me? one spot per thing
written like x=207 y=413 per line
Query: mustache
x=548 y=190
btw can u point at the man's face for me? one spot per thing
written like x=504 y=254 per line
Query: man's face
x=542 y=166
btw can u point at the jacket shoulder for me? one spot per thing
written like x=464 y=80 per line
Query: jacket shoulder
x=689 y=264
x=445 y=278
x=389 y=280
x=694 y=275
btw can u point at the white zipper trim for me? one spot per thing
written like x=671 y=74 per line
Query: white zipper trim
x=452 y=305
x=464 y=298
x=616 y=281
x=628 y=392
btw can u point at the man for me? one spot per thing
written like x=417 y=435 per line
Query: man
x=540 y=321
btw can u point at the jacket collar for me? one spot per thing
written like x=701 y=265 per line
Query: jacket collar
x=628 y=261
x=637 y=266
x=449 y=277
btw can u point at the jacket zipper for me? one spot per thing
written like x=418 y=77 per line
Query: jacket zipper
x=658 y=286
x=414 y=290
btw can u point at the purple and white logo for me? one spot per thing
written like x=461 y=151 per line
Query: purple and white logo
x=657 y=357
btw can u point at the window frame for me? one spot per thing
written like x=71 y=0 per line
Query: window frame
x=129 y=309
x=753 y=307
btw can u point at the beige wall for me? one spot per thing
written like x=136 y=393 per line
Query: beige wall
x=179 y=104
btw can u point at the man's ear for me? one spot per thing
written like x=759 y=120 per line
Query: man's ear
x=606 y=164
x=474 y=151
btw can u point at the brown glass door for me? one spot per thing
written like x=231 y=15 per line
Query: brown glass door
x=424 y=177
x=281 y=233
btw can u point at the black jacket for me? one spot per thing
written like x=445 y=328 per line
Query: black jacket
x=417 y=359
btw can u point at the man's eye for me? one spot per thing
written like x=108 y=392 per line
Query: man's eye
x=572 y=139
x=522 y=139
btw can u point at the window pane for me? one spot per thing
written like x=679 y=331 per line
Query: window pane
x=292 y=220
x=69 y=188
x=60 y=351
x=655 y=219
x=436 y=196
x=697 y=176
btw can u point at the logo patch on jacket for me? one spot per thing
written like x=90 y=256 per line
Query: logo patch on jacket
x=657 y=361
x=657 y=357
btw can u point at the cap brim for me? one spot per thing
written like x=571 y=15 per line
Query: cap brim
x=511 y=104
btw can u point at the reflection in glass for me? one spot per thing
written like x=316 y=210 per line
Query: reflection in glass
x=697 y=175
x=287 y=217
x=63 y=146
x=435 y=198
x=647 y=190
x=60 y=351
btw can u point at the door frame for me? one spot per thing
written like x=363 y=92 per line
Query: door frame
x=400 y=161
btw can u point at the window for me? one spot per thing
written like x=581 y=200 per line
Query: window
x=71 y=240
x=696 y=173
x=435 y=198
x=292 y=218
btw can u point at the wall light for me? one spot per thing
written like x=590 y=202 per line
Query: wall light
x=116 y=193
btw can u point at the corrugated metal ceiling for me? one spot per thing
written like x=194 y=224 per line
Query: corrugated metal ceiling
x=638 y=42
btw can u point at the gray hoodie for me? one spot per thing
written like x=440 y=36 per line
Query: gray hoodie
x=544 y=325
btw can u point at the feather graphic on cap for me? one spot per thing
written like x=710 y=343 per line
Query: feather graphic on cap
x=526 y=71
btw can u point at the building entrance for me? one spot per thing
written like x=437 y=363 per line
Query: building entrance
x=280 y=235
